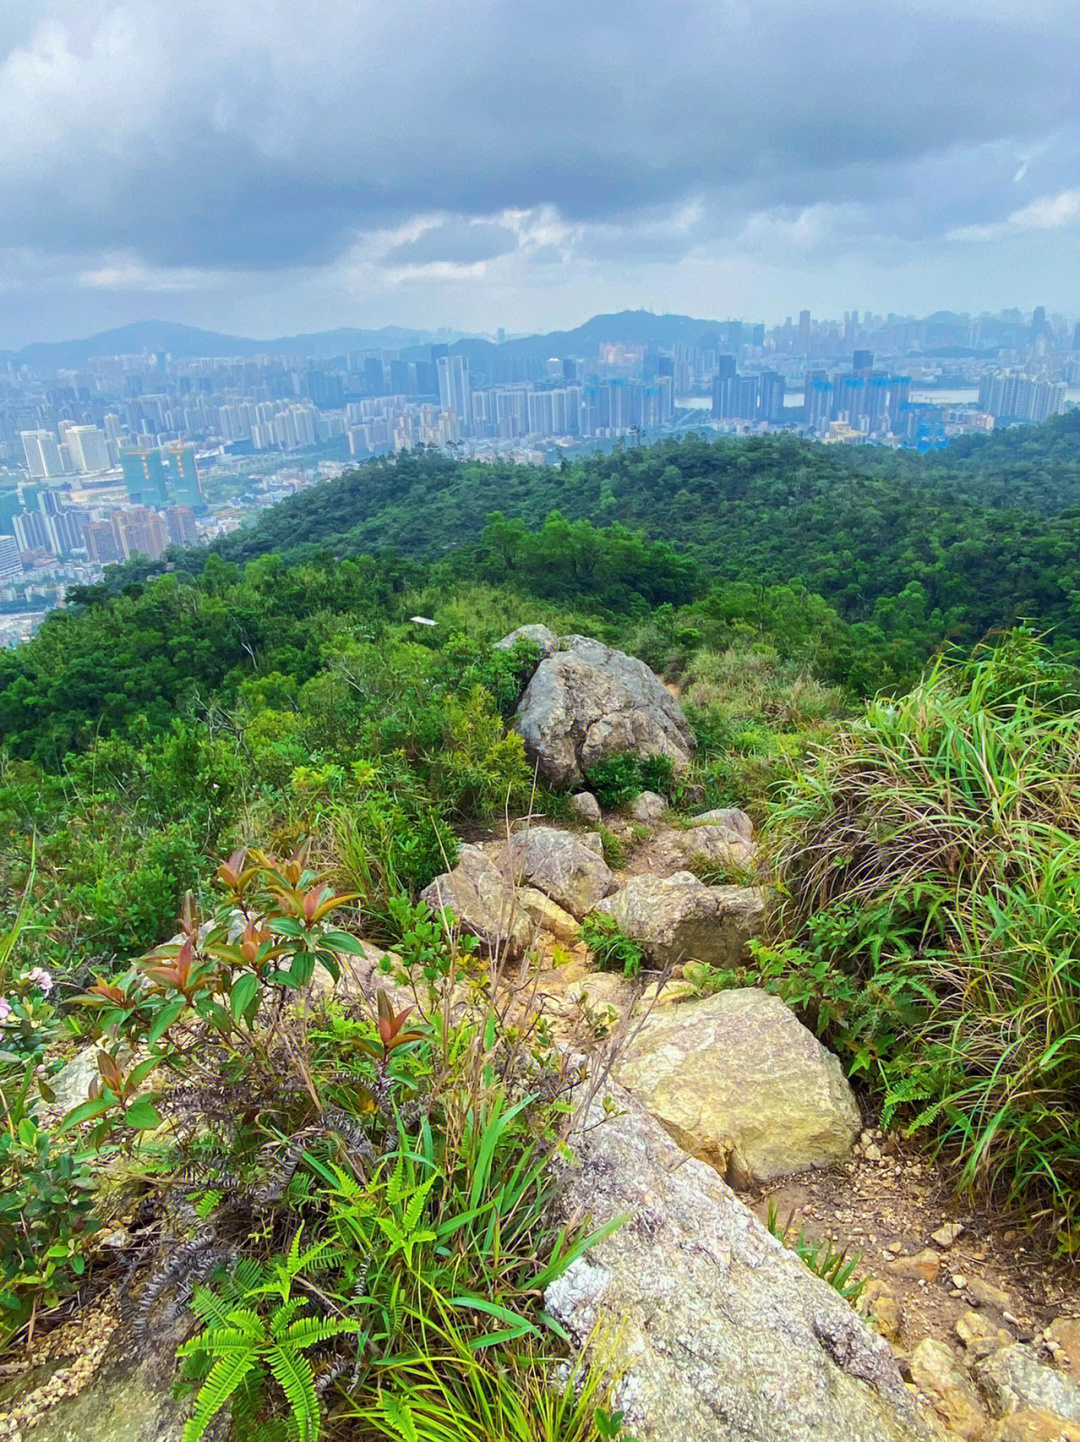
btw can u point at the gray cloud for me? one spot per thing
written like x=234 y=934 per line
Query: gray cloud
x=459 y=242
x=185 y=134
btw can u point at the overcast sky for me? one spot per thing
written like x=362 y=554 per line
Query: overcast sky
x=267 y=166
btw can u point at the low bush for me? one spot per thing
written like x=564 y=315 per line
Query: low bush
x=611 y=948
x=930 y=860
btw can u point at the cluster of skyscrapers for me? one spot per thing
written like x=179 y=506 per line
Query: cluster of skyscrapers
x=37 y=520
x=1012 y=395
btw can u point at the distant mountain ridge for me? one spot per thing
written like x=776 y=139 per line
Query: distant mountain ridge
x=184 y=342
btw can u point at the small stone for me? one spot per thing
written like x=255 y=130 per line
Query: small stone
x=959 y=1282
x=894 y=1247
x=1033 y=1425
x=585 y=806
x=979 y=1335
x=946 y=1235
x=1064 y=1332
x=988 y=1295
x=924 y=1265
x=872 y=1153
x=940 y=1378
x=885 y=1315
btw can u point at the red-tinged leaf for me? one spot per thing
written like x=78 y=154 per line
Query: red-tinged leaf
x=398 y=1021
x=110 y=1071
x=332 y=902
x=404 y=1038
x=189 y=921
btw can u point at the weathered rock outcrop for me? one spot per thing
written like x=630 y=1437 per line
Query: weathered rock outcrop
x=730 y=818
x=679 y=919
x=129 y=1399
x=482 y=896
x=737 y=1080
x=586 y=702
x=1012 y=1378
x=721 y=1334
x=536 y=634
x=567 y=868
x=647 y=807
x=679 y=849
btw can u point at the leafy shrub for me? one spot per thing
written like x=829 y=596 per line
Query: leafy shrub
x=612 y=949
x=46 y=1209
x=616 y=780
x=614 y=851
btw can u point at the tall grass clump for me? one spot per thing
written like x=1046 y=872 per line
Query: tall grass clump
x=929 y=859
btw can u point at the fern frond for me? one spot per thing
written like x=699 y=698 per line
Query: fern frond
x=307 y=1331
x=225 y=1377
x=283 y=1315
x=294 y=1376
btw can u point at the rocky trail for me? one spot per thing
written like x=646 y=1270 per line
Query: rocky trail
x=707 y=1113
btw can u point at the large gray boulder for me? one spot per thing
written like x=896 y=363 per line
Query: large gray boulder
x=563 y=867
x=483 y=898
x=587 y=702
x=1012 y=1378
x=536 y=634
x=738 y=1081
x=716 y=1332
x=678 y=918
x=682 y=849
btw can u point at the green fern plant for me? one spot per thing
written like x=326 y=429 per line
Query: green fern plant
x=239 y=1347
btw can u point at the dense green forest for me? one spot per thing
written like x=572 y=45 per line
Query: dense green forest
x=909 y=550
x=274 y=698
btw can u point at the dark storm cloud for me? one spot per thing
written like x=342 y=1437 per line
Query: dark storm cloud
x=162 y=128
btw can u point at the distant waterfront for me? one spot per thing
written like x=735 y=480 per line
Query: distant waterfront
x=931 y=395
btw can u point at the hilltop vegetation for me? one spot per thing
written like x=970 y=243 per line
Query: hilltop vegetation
x=254 y=704
x=908 y=551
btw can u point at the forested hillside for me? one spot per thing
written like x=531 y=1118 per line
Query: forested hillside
x=909 y=551
x=264 y=755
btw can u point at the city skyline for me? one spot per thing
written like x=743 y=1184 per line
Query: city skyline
x=174 y=160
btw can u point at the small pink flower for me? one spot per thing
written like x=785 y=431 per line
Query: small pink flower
x=39 y=977
x=5 y=1009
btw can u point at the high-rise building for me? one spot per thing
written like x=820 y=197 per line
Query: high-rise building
x=804 y=332
x=10 y=558
x=817 y=399
x=87 y=448
x=771 y=397
x=140 y=532
x=183 y=476
x=862 y=362
x=180 y=523
x=29 y=527
x=64 y=533
x=42 y=454
x=454 y=392
x=102 y=543
x=144 y=476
